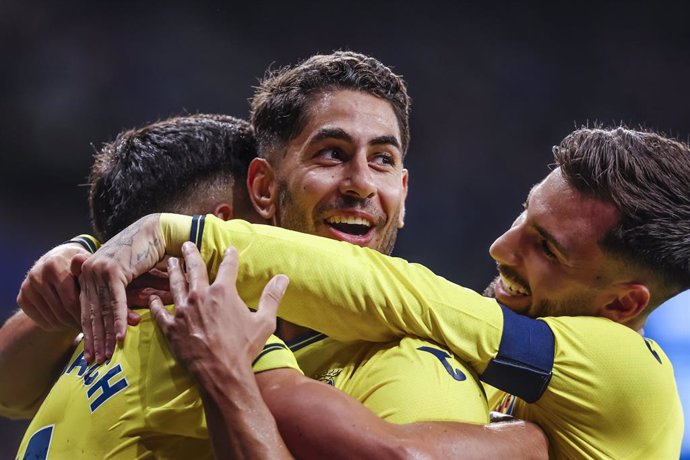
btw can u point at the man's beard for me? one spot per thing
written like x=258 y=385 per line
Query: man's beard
x=574 y=306
x=292 y=217
x=490 y=290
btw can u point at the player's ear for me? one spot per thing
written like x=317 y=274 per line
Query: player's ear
x=262 y=187
x=630 y=301
x=401 y=216
x=224 y=211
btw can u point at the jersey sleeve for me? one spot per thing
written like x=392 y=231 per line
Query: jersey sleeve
x=613 y=394
x=370 y=296
x=88 y=242
x=275 y=355
x=360 y=294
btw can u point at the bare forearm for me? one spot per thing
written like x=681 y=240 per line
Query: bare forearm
x=239 y=422
x=317 y=421
x=30 y=360
x=516 y=439
x=138 y=247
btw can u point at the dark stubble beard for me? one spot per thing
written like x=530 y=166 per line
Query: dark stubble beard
x=490 y=290
x=292 y=217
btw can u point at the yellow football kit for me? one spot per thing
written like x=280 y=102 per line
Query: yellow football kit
x=139 y=404
x=403 y=381
x=597 y=388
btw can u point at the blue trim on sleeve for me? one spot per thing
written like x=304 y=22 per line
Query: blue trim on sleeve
x=197 y=231
x=524 y=362
x=305 y=340
x=269 y=348
x=88 y=242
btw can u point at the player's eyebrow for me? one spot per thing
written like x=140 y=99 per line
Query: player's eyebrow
x=330 y=133
x=341 y=134
x=548 y=236
x=385 y=140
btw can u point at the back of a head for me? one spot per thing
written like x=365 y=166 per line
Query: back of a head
x=647 y=177
x=166 y=166
x=280 y=106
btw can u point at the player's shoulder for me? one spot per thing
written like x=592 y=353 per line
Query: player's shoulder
x=610 y=349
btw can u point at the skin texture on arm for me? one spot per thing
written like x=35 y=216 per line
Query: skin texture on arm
x=319 y=421
x=103 y=278
x=36 y=342
x=30 y=359
x=215 y=336
x=216 y=341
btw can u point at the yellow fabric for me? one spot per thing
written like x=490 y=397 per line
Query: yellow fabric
x=88 y=242
x=606 y=399
x=609 y=397
x=149 y=407
x=175 y=232
x=398 y=381
x=398 y=298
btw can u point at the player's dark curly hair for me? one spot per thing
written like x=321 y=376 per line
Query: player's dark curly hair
x=281 y=102
x=647 y=177
x=168 y=166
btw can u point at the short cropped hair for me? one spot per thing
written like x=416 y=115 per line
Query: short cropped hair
x=647 y=177
x=164 y=165
x=281 y=104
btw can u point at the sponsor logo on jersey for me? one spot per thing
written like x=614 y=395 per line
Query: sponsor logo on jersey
x=443 y=356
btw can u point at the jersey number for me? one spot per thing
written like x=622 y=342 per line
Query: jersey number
x=442 y=356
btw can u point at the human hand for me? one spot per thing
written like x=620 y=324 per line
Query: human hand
x=212 y=329
x=103 y=279
x=154 y=282
x=49 y=294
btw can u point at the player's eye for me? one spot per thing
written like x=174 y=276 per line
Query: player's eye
x=384 y=159
x=547 y=250
x=331 y=154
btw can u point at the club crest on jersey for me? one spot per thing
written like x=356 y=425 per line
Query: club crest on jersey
x=329 y=376
x=507 y=405
x=102 y=381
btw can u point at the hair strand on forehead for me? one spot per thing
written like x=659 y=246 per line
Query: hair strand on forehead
x=280 y=106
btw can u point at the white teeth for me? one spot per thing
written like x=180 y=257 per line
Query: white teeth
x=513 y=288
x=348 y=220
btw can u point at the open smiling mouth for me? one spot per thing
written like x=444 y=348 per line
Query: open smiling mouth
x=514 y=288
x=350 y=225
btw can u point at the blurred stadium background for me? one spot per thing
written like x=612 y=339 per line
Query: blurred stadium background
x=495 y=85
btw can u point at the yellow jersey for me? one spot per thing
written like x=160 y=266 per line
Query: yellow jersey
x=139 y=404
x=404 y=381
x=597 y=388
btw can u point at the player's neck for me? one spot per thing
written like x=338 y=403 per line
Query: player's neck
x=289 y=332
